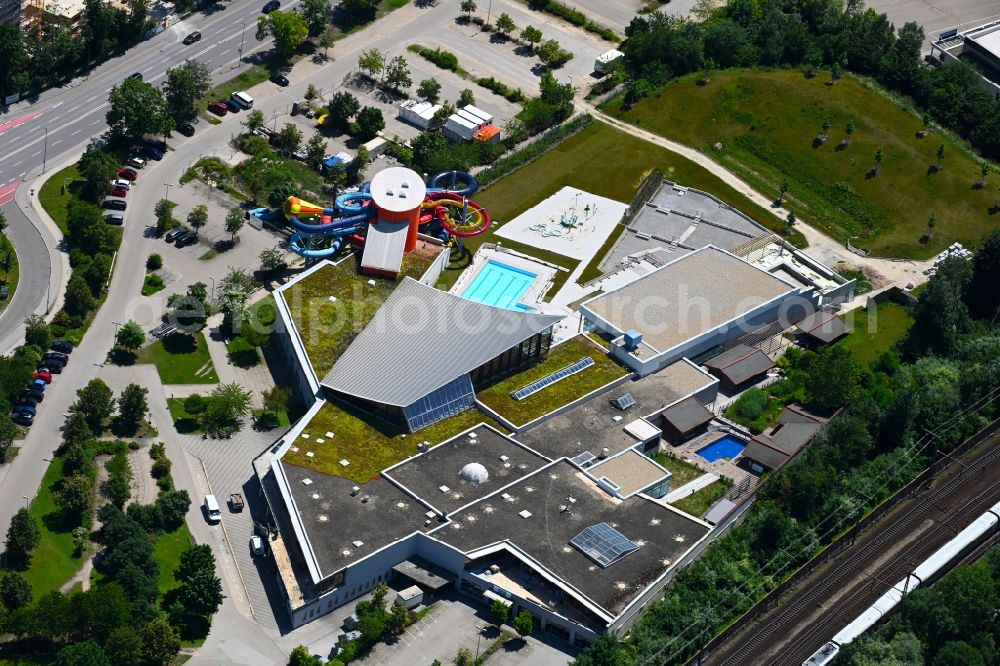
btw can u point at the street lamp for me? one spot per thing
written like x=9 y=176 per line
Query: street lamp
x=167 y=196
x=242 y=34
x=479 y=638
x=117 y=324
x=213 y=286
x=489 y=10
x=25 y=498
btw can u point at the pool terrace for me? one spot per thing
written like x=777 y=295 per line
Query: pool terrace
x=504 y=278
x=333 y=303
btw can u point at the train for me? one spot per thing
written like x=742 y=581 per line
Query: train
x=928 y=571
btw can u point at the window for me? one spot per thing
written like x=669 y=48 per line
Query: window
x=454 y=397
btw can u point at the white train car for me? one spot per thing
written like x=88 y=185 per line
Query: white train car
x=928 y=571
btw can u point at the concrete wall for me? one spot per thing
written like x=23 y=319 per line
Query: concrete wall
x=284 y=340
x=433 y=273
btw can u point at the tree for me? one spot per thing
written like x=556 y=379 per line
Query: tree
x=430 y=90
x=289 y=138
x=316 y=14
x=940 y=157
x=790 y=222
x=832 y=379
x=878 y=161
x=276 y=399
x=15 y=591
x=552 y=54
x=87 y=653
x=174 y=505
x=235 y=219
x=76 y=430
x=505 y=25
x=982 y=296
x=137 y=108
x=326 y=40
x=301 y=656
x=825 y=127
x=532 y=35
x=154 y=262
x=941 y=315
x=36 y=332
x=254 y=120
x=124 y=647
x=848 y=131
x=782 y=189
x=289 y=30
x=198 y=217
x=466 y=97
x=468 y=6
x=399 y=617
x=233 y=400
x=343 y=105
x=397 y=74
x=132 y=405
x=370 y=123
x=499 y=612
x=22 y=535
x=523 y=624
x=8 y=432
x=379 y=594
x=130 y=336
x=96 y=402
x=373 y=62
x=984 y=169
x=98 y=169
x=931 y=223
x=195 y=561
x=463 y=657
x=272 y=259
x=75 y=497
x=7 y=262
x=164 y=212
x=315 y=151
x=356 y=169
x=186 y=84
x=78 y=300
x=190 y=310
x=160 y=642
x=201 y=594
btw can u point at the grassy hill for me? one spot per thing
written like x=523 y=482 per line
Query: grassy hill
x=768 y=123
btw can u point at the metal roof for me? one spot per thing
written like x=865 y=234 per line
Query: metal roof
x=740 y=363
x=421 y=339
x=384 y=246
x=824 y=326
x=686 y=415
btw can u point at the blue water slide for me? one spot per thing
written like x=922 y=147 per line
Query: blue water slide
x=447 y=181
x=298 y=243
x=335 y=227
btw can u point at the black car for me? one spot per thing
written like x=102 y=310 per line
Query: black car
x=28 y=395
x=34 y=392
x=62 y=346
x=114 y=204
x=279 y=79
x=172 y=235
x=188 y=238
x=29 y=400
x=60 y=356
x=135 y=75
x=159 y=144
x=20 y=418
x=192 y=38
x=114 y=218
x=153 y=153
x=187 y=129
x=231 y=105
x=271 y=6
x=50 y=366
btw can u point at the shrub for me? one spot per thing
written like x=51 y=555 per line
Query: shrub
x=195 y=404
x=751 y=404
x=154 y=262
x=441 y=58
x=161 y=468
x=501 y=89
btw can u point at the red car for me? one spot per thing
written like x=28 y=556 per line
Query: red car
x=128 y=174
x=43 y=375
x=118 y=191
x=218 y=108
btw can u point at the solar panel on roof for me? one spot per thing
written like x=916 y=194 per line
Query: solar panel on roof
x=548 y=380
x=623 y=401
x=603 y=544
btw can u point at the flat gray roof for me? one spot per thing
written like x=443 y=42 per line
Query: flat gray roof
x=631 y=471
x=687 y=415
x=689 y=296
x=421 y=339
x=384 y=246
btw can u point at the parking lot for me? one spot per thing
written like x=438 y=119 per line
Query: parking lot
x=938 y=16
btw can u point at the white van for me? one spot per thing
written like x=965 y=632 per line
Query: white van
x=212 y=509
x=243 y=99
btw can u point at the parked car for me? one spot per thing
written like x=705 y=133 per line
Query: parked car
x=115 y=218
x=153 y=153
x=187 y=129
x=185 y=239
x=114 y=204
x=218 y=108
x=136 y=163
x=270 y=6
x=172 y=235
x=192 y=38
x=62 y=356
x=43 y=375
x=64 y=346
x=20 y=418
x=231 y=104
x=29 y=400
x=52 y=367
x=128 y=174
x=135 y=75
x=25 y=409
x=118 y=192
x=257 y=545
x=4 y=292
x=280 y=79
x=159 y=144
x=36 y=386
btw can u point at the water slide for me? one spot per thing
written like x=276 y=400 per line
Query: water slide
x=321 y=232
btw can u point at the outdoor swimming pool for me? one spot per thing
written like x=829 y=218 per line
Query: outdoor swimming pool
x=725 y=447
x=499 y=285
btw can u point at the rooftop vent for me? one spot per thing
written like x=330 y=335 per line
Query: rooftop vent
x=444 y=489
x=364 y=500
x=307 y=482
x=423 y=446
x=525 y=514
x=355 y=490
x=427 y=523
x=632 y=339
x=358 y=544
x=504 y=458
x=605 y=452
x=345 y=462
x=472 y=435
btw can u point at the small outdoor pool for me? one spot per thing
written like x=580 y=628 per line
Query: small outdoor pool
x=725 y=447
x=499 y=285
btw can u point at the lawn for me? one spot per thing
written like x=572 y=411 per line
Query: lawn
x=12 y=276
x=152 y=284
x=325 y=328
x=682 y=472
x=57 y=191
x=167 y=551
x=181 y=359
x=767 y=123
x=571 y=163
x=757 y=409
x=242 y=81
x=697 y=503
x=52 y=563
x=242 y=353
x=368 y=443
x=605 y=369
x=873 y=335
x=184 y=422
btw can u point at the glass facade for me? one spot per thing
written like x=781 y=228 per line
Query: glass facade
x=515 y=358
x=454 y=397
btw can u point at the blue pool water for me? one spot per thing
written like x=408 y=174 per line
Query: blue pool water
x=500 y=285
x=725 y=447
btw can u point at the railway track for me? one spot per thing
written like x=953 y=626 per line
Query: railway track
x=951 y=508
